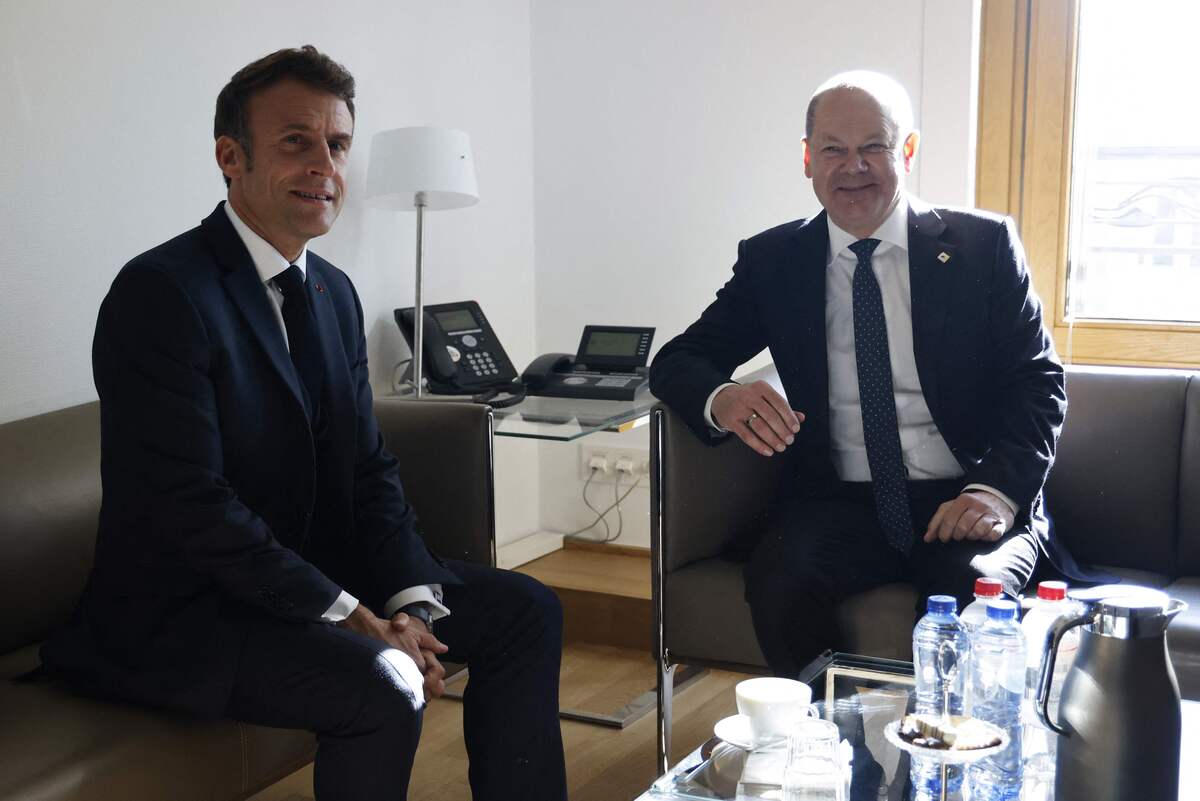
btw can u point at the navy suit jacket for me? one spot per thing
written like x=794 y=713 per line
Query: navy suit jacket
x=219 y=503
x=987 y=367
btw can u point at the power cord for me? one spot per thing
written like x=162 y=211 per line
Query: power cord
x=398 y=381
x=618 y=496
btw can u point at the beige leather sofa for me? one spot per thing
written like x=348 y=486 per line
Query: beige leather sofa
x=1124 y=494
x=56 y=746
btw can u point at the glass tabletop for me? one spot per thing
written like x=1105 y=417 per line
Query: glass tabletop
x=556 y=419
x=861 y=695
x=565 y=419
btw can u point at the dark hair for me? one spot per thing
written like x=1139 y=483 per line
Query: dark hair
x=305 y=64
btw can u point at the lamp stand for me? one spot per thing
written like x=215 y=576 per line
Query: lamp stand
x=418 y=306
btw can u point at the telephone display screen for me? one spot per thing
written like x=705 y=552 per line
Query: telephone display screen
x=456 y=320
x=612 y=343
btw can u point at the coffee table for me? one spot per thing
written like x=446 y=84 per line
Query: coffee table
x=861 y=695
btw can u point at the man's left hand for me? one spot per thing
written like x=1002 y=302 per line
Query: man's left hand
x=973 y=515
x=429 y=646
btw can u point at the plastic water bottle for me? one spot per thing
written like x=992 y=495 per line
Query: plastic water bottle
x=1039 y=745
x=986 y=589
x=939 y=625
x=995 y=688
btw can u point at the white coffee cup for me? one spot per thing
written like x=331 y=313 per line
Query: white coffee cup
x=773 y=706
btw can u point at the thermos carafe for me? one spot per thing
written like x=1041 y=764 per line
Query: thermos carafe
x=1119 y=716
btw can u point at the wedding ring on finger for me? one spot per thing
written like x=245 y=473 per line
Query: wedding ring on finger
x=753 y=416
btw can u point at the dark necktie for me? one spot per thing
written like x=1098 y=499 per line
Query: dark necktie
x=303 y=342
x=877 y=401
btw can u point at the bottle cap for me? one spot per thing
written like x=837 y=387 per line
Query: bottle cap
x=1052 y=590
x=941 y=605
x=989 y=587
x=1001 y=610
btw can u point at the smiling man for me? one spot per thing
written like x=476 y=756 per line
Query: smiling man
x=256 y=558
x=924 y=397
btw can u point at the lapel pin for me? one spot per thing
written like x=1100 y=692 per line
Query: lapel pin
x=321 y=289
x=943 y=257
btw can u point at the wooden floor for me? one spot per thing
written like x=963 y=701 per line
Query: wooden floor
x=605 y=593
x=602 y=764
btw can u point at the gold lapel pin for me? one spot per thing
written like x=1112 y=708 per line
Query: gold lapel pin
x=943 y=257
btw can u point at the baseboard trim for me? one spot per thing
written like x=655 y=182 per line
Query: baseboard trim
x=601 y=547
x=527 y=548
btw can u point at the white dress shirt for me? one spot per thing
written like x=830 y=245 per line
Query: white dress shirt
x=269 y=264
x=926 y=455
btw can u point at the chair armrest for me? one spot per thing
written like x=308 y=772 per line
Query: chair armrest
x=702 y=497
x=445 y=454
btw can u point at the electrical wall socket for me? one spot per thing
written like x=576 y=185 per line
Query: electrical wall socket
x=638 y=459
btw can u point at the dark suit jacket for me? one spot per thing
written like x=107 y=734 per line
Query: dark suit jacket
x=987 y=367
x=219 y=503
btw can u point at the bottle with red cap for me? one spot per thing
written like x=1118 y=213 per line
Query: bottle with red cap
x=1039 y=743
x=986 y=589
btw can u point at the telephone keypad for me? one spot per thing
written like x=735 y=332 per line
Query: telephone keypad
x=481 y=362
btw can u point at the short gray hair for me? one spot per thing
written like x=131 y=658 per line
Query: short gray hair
x=886 y=91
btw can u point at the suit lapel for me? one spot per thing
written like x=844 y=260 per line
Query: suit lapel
x=931 y=268
x=807 y=288
x=321 y=300
x=241 y=281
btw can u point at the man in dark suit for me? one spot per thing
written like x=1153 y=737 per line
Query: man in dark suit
x=924 y=397
x=256 y=557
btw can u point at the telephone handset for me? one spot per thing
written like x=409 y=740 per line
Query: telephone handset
x=463 y=356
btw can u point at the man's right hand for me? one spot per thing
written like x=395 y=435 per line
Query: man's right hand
x=758 y=415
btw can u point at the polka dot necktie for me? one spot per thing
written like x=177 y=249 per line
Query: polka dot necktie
x=303 y=342
x=877 y=401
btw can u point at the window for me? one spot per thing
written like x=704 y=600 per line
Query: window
x=1088 y=138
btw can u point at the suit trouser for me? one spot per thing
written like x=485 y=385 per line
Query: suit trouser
x=823 y=547
x=359 y=696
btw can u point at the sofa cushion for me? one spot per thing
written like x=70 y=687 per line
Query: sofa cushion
x=72 y=748
x=706 y=616
x=880 y=622
x=50 y=483
x=1113 y=491
x=1183 y=637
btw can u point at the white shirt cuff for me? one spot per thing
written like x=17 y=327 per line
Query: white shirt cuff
x=708 y=418
x=1007 y=500
x=428 y=594
x=341 y=609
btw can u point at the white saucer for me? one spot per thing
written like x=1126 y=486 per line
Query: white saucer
x=735 y=730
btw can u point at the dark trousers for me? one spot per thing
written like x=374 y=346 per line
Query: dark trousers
x=823 y=547
x=364 y=700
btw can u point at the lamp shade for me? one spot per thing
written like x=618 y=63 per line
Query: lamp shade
x=435 y=162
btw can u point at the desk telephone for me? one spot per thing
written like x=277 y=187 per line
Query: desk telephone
x=464 y=357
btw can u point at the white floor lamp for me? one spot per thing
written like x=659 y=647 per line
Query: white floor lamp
x=421 y=168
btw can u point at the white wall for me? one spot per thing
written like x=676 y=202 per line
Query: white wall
x=107 y=151
x=666 y=131
x=646 y=136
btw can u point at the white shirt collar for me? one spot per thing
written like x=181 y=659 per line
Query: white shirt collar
x=267 y=260
x=893 y=232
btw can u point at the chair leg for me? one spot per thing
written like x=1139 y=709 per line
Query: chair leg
x=666 y=694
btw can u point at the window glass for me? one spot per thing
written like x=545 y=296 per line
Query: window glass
x=1134 y=237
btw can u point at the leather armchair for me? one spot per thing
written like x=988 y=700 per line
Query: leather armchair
x=55 y=746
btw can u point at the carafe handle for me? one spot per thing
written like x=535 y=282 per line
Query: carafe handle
x=1049 y=656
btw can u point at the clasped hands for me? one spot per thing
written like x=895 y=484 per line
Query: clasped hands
x=409 y=635
x=761 y=418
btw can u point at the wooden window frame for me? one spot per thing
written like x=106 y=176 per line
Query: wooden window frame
x=1023 y=168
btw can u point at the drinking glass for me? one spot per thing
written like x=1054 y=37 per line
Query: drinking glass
x=814 y=766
